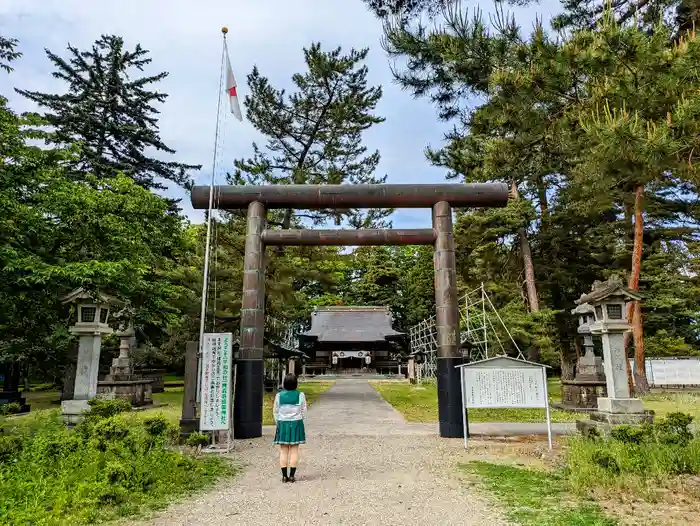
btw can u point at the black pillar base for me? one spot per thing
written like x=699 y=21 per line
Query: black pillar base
x=449 y=398
x=248 y=399
x=187 y=427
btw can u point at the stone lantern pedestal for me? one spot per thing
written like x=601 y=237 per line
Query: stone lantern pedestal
x=609 y=300
x=121 y=382
x=92 y=324
x=582 y=393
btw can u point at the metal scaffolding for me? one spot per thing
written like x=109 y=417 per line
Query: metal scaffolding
x=482 y=334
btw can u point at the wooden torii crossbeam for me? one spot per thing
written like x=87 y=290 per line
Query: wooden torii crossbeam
x=441 y=198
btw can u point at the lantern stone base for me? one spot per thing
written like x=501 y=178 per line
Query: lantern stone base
x=613 y=412
x=72 y=411
x=137 y=391
x=157 y=375
x=581 y=395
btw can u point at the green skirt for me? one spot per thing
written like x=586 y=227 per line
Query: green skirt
x=290 y=433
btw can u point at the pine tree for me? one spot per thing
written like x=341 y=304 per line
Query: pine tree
x=8 y=52
x=110 y=110
x=314 y=134
x=679 y=15
x=599 y=134
x=407 y=9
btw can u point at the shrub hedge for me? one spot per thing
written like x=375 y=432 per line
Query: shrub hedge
x=111 y=465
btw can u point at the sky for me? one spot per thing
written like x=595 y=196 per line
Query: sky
x=184 y=38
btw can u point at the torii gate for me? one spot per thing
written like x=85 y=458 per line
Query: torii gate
x=248 y=397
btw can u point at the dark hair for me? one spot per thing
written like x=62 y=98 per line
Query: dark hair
x=290 y=382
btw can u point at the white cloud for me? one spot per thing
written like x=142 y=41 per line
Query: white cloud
x=184 y=39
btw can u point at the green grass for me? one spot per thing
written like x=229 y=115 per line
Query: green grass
x=672 y=402
x=39 y=400
x=167 y=403
x=536 y=498
x=418 y=403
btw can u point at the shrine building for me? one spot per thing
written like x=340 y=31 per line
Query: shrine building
x=352 y=340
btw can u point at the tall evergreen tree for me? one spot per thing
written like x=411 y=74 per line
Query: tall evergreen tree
x=407 y=9
x=110 y=110
x=679 y=15
x=593 y=132
x=314 y=134
x=8 y=53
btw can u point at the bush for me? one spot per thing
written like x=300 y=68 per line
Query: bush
x=101 y=408
x=675 y=429
x=158 y=426
x=635 y=457
x=198 y=439
x=10 y=409
x=108 y=466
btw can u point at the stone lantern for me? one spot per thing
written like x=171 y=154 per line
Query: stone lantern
x=589 y=367
x=609 y=301
x=582 y=393
x=93 y=322
x=121 y=382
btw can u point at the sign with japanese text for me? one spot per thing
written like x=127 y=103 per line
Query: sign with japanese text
x=215 y=381
x=507 y=387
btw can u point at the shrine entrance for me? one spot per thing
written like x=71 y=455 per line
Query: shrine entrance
x=441 y=198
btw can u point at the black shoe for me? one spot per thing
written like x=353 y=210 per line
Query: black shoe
x=291 y=479
x=285 y=479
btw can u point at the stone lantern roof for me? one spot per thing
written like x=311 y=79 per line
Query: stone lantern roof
x=603 y=290
x=80 y=294
x=583 y=308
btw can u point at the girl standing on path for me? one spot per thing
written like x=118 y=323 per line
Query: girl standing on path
x=289 y=412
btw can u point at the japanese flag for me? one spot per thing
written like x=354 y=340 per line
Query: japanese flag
x=231 y=89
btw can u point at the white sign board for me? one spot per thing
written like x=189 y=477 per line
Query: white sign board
x=512 y=387
x=671 y=372
x=504 y=382
x=215 y=381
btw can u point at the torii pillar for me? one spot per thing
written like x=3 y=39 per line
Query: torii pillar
x=447 y=324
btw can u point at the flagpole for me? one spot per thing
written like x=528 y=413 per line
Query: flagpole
x=207 y=247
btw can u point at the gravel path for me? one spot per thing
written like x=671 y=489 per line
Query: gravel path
x=362 y=464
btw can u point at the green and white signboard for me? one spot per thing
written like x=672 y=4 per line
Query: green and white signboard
x=216 y=381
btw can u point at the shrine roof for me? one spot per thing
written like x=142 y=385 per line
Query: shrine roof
x=351 y=324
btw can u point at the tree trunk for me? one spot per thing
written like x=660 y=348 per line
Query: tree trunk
x=567 y=361
x=530 y=285
x=634 y=310
x=542 y=196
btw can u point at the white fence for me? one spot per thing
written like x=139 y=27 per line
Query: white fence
x=672 y=372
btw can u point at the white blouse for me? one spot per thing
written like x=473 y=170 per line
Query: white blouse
x=286 y=412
